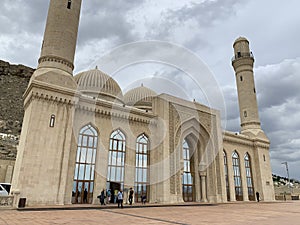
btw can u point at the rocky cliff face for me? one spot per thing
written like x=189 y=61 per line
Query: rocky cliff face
x=14 y=80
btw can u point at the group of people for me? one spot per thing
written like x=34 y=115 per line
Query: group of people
x=117 y=196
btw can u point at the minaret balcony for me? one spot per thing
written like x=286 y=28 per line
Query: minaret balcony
x=242 y=55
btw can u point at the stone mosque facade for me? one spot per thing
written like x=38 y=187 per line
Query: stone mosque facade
x=80 y=134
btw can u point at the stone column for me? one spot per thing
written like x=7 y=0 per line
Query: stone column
x=198 y=188
x=129 y=173
x=231 y=179
x=203 y=186
x=244 y=180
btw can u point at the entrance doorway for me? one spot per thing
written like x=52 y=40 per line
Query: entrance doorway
x=114 y=189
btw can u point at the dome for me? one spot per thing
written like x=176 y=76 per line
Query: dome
x=140 y=97
x=97 y=84
x=239 y=39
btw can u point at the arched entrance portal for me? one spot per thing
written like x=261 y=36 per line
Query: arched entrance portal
x=192 y=144
x=83 y=185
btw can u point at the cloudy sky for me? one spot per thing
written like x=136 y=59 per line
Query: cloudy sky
x=207 y=28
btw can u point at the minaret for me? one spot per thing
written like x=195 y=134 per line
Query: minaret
x=47 y=131
x=243 y=65
x=59 y=44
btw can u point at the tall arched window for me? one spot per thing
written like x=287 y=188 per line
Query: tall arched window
x=249 y=177
x=83 y=184
x=237 y=176
x=141 y=167
x=226 y=175
x=116 y=160
x=187 y=179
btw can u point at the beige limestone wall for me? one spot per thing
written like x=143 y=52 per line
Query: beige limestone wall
x=260 y=165
x=40 y=163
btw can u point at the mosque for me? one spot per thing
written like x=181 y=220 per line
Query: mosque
x=81 y=134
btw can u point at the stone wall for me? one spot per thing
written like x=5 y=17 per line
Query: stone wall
x=6 y=201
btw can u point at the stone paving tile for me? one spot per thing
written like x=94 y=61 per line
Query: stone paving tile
x=223 y=214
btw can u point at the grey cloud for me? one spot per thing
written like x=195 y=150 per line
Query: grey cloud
x=278 y=88
x=197 y=16
x=107 y=19
x=23 y=16
x=278 y=83
x=206 y=13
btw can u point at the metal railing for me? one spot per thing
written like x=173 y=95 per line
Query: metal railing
x=242 y=55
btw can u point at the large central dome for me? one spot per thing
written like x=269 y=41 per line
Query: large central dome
x=97 y=84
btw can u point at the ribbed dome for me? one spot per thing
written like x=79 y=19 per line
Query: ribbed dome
x=140 y=97
x=97 y=84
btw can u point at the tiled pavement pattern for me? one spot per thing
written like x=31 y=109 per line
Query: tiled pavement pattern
x=233 y=213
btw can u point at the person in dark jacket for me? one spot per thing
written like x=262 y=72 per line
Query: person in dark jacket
x=130 y=196
x=85 y=194
x=257 y=196
x=102 y=197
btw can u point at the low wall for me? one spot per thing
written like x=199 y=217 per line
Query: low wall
x=6 y=201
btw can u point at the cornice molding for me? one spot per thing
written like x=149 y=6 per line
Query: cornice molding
x=57 y=60
x=243 y=140
x=250 y=123
x=79 y=102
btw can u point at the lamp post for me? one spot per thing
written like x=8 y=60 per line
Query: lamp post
x=287 y=171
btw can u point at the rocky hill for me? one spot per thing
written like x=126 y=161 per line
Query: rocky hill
x=14 y=80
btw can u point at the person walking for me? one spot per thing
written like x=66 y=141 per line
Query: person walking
x=120 y=199
x=102 y=197
x=108 y=194
x=144 y=198
x=130 y=196
x=85 y=194
x=257 y=196
x=116 y=196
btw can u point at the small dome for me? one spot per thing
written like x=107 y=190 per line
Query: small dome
x=240 y=39
x=140 y=97
x=97 y=84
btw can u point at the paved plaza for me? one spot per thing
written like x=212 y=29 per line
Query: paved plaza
x=232 y=213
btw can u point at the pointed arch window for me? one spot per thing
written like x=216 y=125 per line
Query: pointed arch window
x=226 y=175
x=237 y=176
x=116 y=158
x=249 y=177
x=141 y=167
x=83 y=184
x=187 y=179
